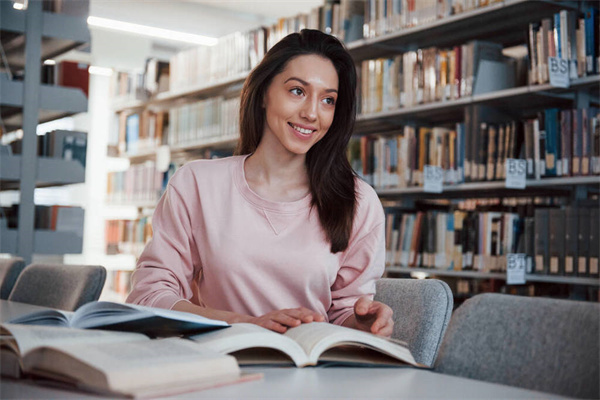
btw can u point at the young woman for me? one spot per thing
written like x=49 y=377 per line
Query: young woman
x=283 y=233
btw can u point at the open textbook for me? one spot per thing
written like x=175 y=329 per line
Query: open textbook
x=122 y=363
x=307 y=344
x=123 y=317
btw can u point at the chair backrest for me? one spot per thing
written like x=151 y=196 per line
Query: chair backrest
x=541 y=344
x=10 y=268
x=66 y=287
x=422 y=309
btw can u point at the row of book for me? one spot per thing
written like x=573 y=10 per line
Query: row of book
x=141 y=183
x=556 y=241
x=141 y=84
x=568 y=36
x=557 y=143
x=209 y=119
x=119 y=282
x=385 y=16
x=233 y=55
x=54 y=218
x=142 y=131
x=431 y=75
x=127 y=236
x=68 y=145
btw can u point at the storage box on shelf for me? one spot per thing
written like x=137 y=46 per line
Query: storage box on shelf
x=29 y=37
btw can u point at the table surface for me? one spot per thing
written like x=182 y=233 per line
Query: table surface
x=305 y=383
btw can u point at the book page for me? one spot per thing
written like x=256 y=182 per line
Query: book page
x=103 y=314
x=45 y=317
x=128 y=367
x=317 y=337
x=28 y=337
x=247 y=336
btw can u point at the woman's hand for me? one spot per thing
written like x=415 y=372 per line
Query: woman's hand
x=372 y=316
x=281 y=320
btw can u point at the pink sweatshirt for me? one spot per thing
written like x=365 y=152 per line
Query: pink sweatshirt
x=218 y=244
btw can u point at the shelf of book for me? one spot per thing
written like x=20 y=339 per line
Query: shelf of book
x=50 y=172
x=200 y=91
x=61 y=33
x=177 y=151
x=521 y=99
x=54 y=102
x=498 y=187
x=45 y=242
x=500 y=22
x=574 y=280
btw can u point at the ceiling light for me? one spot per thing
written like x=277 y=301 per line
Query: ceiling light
x=20 y=4
x=49 y=62
x=151 y=31
x=102 y=71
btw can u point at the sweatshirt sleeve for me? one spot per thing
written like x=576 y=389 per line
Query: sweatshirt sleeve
x=165 y=269
x=362 y=265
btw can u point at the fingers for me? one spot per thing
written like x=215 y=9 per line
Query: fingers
x=274 y=326
x=362 y=305
x=306 y=315
x=383 y=322
x=386 y=330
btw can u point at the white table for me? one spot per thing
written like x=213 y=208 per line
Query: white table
x=306 y=383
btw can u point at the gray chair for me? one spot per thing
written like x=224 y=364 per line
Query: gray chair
x=10 y=268
x=66 y=287
x=422 y=309
x=541 y=344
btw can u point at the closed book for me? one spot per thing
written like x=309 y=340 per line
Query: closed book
x=541 y=240
x=594 y=237
x=552 y=127
x=566 y=126
x=577 y=141
x=571 y=239
x=556 y=241
x=583 y=242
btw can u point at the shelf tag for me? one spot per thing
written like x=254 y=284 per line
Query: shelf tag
x=163 y=158
x=559 y=72
x=433 y=179
x=515 y=268
x=516 y=173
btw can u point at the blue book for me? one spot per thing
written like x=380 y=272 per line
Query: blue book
x=591 y=40
x=557 y=35
x=552 y=142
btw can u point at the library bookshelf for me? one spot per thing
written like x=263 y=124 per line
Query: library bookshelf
x=507 y=23
x=30 y=37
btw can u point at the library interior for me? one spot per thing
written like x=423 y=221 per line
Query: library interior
x=473 y=141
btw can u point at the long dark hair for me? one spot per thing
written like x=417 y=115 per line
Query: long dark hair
x=331 y=177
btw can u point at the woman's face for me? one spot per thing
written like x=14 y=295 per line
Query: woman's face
x=300 y=103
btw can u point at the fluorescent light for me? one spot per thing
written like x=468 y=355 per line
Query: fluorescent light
x=20 y=4
x=102 y=71
x=49 y=62
x=419 y=274
x=151 y=31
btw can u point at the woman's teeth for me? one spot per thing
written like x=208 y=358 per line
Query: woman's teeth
x=302 y=130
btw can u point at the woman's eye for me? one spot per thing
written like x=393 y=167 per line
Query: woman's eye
x=297 y=91
x=330 y=101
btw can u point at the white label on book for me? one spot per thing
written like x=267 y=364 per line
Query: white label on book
x=582 y=265
x=516 y=173
x=554 y=265
x=593 y=265
x=559 y=72
x=539 y=263
x=433 y=179
x=569 y=265
x=163 y=158
x=515 y=269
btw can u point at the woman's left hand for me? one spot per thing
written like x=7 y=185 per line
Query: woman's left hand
x=373 y=316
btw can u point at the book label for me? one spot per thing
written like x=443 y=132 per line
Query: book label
x=559 y=72
x=163 y=158
x=433 y=179
x=515 y=268
x=516 y=173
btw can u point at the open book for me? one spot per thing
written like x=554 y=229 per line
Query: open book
x=121 y=363
x=306 y=344
x=123 y=317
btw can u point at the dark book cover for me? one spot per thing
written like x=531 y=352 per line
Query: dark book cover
x=571 y=239
x=556 y=241
x=594 y=248
x=541 y=240
x=583 y=242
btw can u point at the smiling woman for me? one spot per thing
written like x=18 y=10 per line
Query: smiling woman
x=284 y=233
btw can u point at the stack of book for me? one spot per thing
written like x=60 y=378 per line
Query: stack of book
x=128 y=236
x=140 y=183
x=568 y=36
